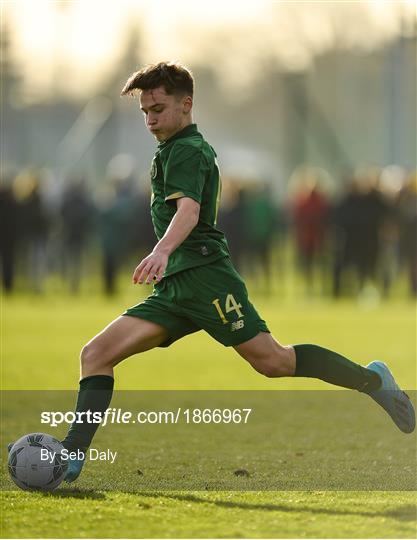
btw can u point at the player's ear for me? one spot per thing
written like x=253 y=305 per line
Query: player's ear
x=187 y=104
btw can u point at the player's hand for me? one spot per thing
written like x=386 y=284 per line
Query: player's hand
x=151 y=268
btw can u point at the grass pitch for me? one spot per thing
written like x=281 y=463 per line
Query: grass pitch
x=40 y=344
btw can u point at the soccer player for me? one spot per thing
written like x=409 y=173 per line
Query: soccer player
x=195 y=284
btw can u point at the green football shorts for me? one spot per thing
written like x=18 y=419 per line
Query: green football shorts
x=211 y=297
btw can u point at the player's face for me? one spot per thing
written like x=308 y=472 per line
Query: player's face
x=164 y=114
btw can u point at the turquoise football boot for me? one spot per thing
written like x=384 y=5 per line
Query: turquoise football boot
x=391 y=398
x=74 y=469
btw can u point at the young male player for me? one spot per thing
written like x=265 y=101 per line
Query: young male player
x=195 y=284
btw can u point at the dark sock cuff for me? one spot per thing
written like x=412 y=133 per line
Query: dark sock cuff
x=97 y=382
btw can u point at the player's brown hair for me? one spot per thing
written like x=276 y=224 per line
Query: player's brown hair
x=174 y=77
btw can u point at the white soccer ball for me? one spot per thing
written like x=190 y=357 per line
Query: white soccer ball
x=28 y=467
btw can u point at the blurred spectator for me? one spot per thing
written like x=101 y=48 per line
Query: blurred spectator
x=390 y=183
x=373 y=215
x=232 y=220
x=9 y=232
x=310 y=211
x=260 y=217
x=77 y=217
x=34 y=224
x=407 y=212
x=116 y=223
x=389 y=247
x=345 y=232
x=143 y=235
x=358 y=219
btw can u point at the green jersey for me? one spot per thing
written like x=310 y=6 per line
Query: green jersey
x=185 y=165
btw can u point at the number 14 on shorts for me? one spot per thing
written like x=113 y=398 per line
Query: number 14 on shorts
x=230 y=305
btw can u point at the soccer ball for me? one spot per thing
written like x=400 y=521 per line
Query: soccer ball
x=35 y=462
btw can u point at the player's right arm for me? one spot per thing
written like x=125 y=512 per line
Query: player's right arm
x=185 y=219
x=184 y=178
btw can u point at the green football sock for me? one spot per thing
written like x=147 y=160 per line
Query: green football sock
x=329 y=366
x=94 y=395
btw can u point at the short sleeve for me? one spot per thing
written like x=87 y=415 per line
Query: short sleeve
x=185 y=173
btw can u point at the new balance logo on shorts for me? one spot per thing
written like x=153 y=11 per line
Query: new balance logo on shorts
x=237 y=325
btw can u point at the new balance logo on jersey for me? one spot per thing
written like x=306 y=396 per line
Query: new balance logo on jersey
x=237 y=325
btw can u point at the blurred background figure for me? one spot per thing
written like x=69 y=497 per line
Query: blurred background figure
x=143 y=235
x=260 y=229
x=310 y=211
x=34 y=227
x=78 y=216
x=407 y=213
x=345 y=235
x=9 y=234
x=231 y=219
x=117 y=221
x=391 y=182
x=359 y=220
x=372 y=215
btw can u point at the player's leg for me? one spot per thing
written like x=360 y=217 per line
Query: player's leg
x=154 y=322
x=270 y=358
x=224 y=311
x=122 y=338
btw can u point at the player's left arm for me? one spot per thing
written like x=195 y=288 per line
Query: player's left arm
x=185 y=219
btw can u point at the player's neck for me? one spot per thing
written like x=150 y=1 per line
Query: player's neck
x=183 y=125
x=187 y=122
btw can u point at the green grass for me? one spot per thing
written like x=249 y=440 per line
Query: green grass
x=70 y=514
x=41 y=338
x=41 y=334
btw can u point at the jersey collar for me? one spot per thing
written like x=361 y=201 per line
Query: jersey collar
x=191 y=129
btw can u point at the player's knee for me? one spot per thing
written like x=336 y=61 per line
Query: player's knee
x=87 y=356
x=277 y=364
x=271 y=369
x=268 y=357
x=268 y=370
x=91 y=357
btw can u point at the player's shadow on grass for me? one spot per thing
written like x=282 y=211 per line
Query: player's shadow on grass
x=75 y=493
x=405 y=512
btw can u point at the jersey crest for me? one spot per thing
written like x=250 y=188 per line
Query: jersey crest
x=154 y=169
